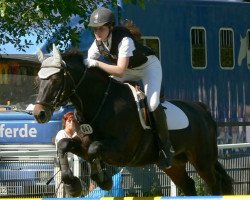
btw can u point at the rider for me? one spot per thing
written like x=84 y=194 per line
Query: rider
x=130 y=61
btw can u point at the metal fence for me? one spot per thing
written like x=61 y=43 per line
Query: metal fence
x=25 y=174
x=24 y=170
x=26 y=178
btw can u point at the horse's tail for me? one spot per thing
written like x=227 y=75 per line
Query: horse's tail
x=226 y=181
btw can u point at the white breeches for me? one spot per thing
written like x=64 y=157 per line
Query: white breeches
x=150 y=74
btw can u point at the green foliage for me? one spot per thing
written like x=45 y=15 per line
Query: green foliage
x=136 y=2
x=200 y=187
x=44 y=19
x=155 y=190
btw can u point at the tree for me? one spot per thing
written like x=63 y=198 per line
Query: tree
x=45 y=19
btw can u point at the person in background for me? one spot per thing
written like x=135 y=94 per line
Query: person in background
x=68 y=125
x=128 y=60
x=68 y=131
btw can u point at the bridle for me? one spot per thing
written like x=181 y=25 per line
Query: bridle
x=62 y=94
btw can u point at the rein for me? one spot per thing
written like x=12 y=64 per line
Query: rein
x=79 y=99
x=86 y=128
x=102 y=103
x=73 y=91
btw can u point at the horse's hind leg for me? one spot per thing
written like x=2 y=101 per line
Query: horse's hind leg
x=97 y=151
x=208 y=173
x=225 y=180
x=103 y=180
x=179 y=176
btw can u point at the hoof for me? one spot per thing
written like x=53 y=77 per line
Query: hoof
x=74 y=189
x=106 y=184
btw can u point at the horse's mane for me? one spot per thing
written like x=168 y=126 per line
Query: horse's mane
x=75 y=56
x=75 y=53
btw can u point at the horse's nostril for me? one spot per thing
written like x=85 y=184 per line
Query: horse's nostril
x=42 y=115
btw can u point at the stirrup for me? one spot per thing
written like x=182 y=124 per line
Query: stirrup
x=171 y=149
x=165 y=161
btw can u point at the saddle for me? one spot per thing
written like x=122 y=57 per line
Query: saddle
x=176 y=118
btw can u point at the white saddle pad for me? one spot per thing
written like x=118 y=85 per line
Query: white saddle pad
x=176 y=118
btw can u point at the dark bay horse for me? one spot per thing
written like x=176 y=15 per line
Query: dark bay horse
x=112 y=132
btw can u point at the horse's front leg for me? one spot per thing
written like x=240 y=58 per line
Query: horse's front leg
x=72 y=184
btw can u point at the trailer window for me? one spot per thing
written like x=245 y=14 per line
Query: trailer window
x=226 y=48
x=17 y=84
x=153 y=43
x=198 y=47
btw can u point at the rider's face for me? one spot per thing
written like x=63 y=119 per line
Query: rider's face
x=101 y=33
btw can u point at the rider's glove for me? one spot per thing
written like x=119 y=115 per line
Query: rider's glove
x=90 y=62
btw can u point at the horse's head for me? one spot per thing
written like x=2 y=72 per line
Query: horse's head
x=52 y=85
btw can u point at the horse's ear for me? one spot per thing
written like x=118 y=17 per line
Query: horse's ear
x=56 y=54
x=40 y=55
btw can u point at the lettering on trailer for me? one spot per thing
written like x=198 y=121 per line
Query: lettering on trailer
x=23 y=132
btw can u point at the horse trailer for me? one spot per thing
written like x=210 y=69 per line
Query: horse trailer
x=204 y=49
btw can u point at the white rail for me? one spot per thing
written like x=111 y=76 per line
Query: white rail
x=233 y=146
x=49 y=150
x=27 y=150
x=16 y=147
x=28 y=153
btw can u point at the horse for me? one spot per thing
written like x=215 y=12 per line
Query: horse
x=110 y=130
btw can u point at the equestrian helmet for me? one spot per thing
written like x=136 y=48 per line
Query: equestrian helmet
x=101 y=16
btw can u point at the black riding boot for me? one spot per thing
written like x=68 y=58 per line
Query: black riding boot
x=166 y=151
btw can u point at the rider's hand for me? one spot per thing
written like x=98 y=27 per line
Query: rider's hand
x=90 y=62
